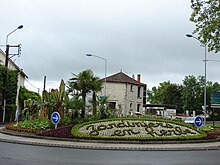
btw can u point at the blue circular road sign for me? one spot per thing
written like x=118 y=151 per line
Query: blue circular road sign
x=198 y=121
x=55 y=117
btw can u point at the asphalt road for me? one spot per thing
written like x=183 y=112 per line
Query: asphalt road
x=18 y=154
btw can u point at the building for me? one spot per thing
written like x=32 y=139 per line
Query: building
x=21 y=76
x=164 y=110
x=125 y=94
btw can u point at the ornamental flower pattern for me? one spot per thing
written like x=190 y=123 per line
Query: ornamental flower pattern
x=136 y=128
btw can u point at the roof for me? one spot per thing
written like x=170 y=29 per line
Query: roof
x=122 y=78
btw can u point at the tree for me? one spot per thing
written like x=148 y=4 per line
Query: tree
x=193 y=93
x=84 y=82
x=25 y=94
x=206 y=16
x=96 y=86
x=166 y=93
x=74 y=104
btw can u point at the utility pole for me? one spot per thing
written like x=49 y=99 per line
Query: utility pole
x=6 y=67
x=4 y=92
x=5 y=82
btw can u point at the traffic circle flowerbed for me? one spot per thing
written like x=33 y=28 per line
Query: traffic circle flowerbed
x=136 y=129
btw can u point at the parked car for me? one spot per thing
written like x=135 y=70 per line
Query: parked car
x=190 y=120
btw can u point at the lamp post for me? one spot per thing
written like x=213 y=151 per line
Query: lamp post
x=214 y=60
x=5 y=75
x=19 y=27
x=205 y=85
x=91 y=55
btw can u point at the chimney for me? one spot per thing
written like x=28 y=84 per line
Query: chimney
x=139 y=78
x=133 y=76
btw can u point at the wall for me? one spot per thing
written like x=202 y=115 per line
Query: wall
x=21 y=77
x=121 y=94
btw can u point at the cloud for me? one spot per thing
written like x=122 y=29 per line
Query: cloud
x=136 y=36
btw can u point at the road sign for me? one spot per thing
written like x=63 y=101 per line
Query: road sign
x=198 y=121
x=55 y=118
x=101 y=97
x=215 y=98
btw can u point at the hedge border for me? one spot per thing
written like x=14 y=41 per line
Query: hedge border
x=76 y=134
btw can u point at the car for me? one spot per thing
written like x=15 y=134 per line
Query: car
x=190 y=120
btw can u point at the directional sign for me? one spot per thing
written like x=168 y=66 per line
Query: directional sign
x=215 y=98
x=198 y=121
x=55 y=117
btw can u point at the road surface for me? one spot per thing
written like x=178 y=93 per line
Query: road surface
x=21 y=154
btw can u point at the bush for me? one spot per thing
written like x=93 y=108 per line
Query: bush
x=38 y=123
x=66 y=120
x=207 y=128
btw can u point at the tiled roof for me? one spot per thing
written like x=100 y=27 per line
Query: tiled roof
x=122 y=78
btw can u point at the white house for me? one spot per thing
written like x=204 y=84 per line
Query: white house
x=125 y=93
x=21 y=75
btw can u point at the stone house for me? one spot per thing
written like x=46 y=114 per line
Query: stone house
x=125 y=94
x=21 y=77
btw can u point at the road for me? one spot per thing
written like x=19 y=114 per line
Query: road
x=18 y=154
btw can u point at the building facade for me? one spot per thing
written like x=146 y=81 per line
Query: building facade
x=125 y=94
x=21 y=75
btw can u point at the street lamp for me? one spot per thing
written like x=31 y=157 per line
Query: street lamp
x=89 y=55
x=205 y=86
x=19 y=27
x=5 y=75
x=214 y=60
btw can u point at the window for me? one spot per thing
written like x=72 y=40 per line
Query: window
x=131 y=88
x=112 y=105
x=138 y=107
x=139 y=92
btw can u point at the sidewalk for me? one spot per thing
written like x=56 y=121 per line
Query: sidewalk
x=41 y=141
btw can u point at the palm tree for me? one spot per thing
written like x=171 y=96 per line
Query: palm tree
x=84 y=82
x=96 y=86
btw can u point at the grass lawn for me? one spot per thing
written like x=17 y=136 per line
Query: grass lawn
x=216 y=123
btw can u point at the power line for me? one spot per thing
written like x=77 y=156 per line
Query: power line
x=31 y=84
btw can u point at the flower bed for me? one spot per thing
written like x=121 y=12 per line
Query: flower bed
x=61 y=132
x=136 y=129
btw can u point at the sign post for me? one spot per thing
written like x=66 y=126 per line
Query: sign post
x=198 y=121
x=55 y=118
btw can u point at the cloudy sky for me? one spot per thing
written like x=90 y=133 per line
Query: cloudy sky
x=135 y=36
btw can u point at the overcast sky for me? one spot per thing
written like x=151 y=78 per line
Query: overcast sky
x=135 y=36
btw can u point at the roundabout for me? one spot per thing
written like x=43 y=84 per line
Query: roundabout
x=139 y=129
x=31 y=139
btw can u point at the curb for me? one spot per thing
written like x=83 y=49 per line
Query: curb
x=30 y=139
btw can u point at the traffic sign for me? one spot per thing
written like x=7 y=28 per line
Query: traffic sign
x=215 y=98
x=198 y=121
x=55 y=118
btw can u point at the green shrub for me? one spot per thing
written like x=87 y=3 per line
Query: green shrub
x=207 y=128
x=66 y=120
x=38 y=123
